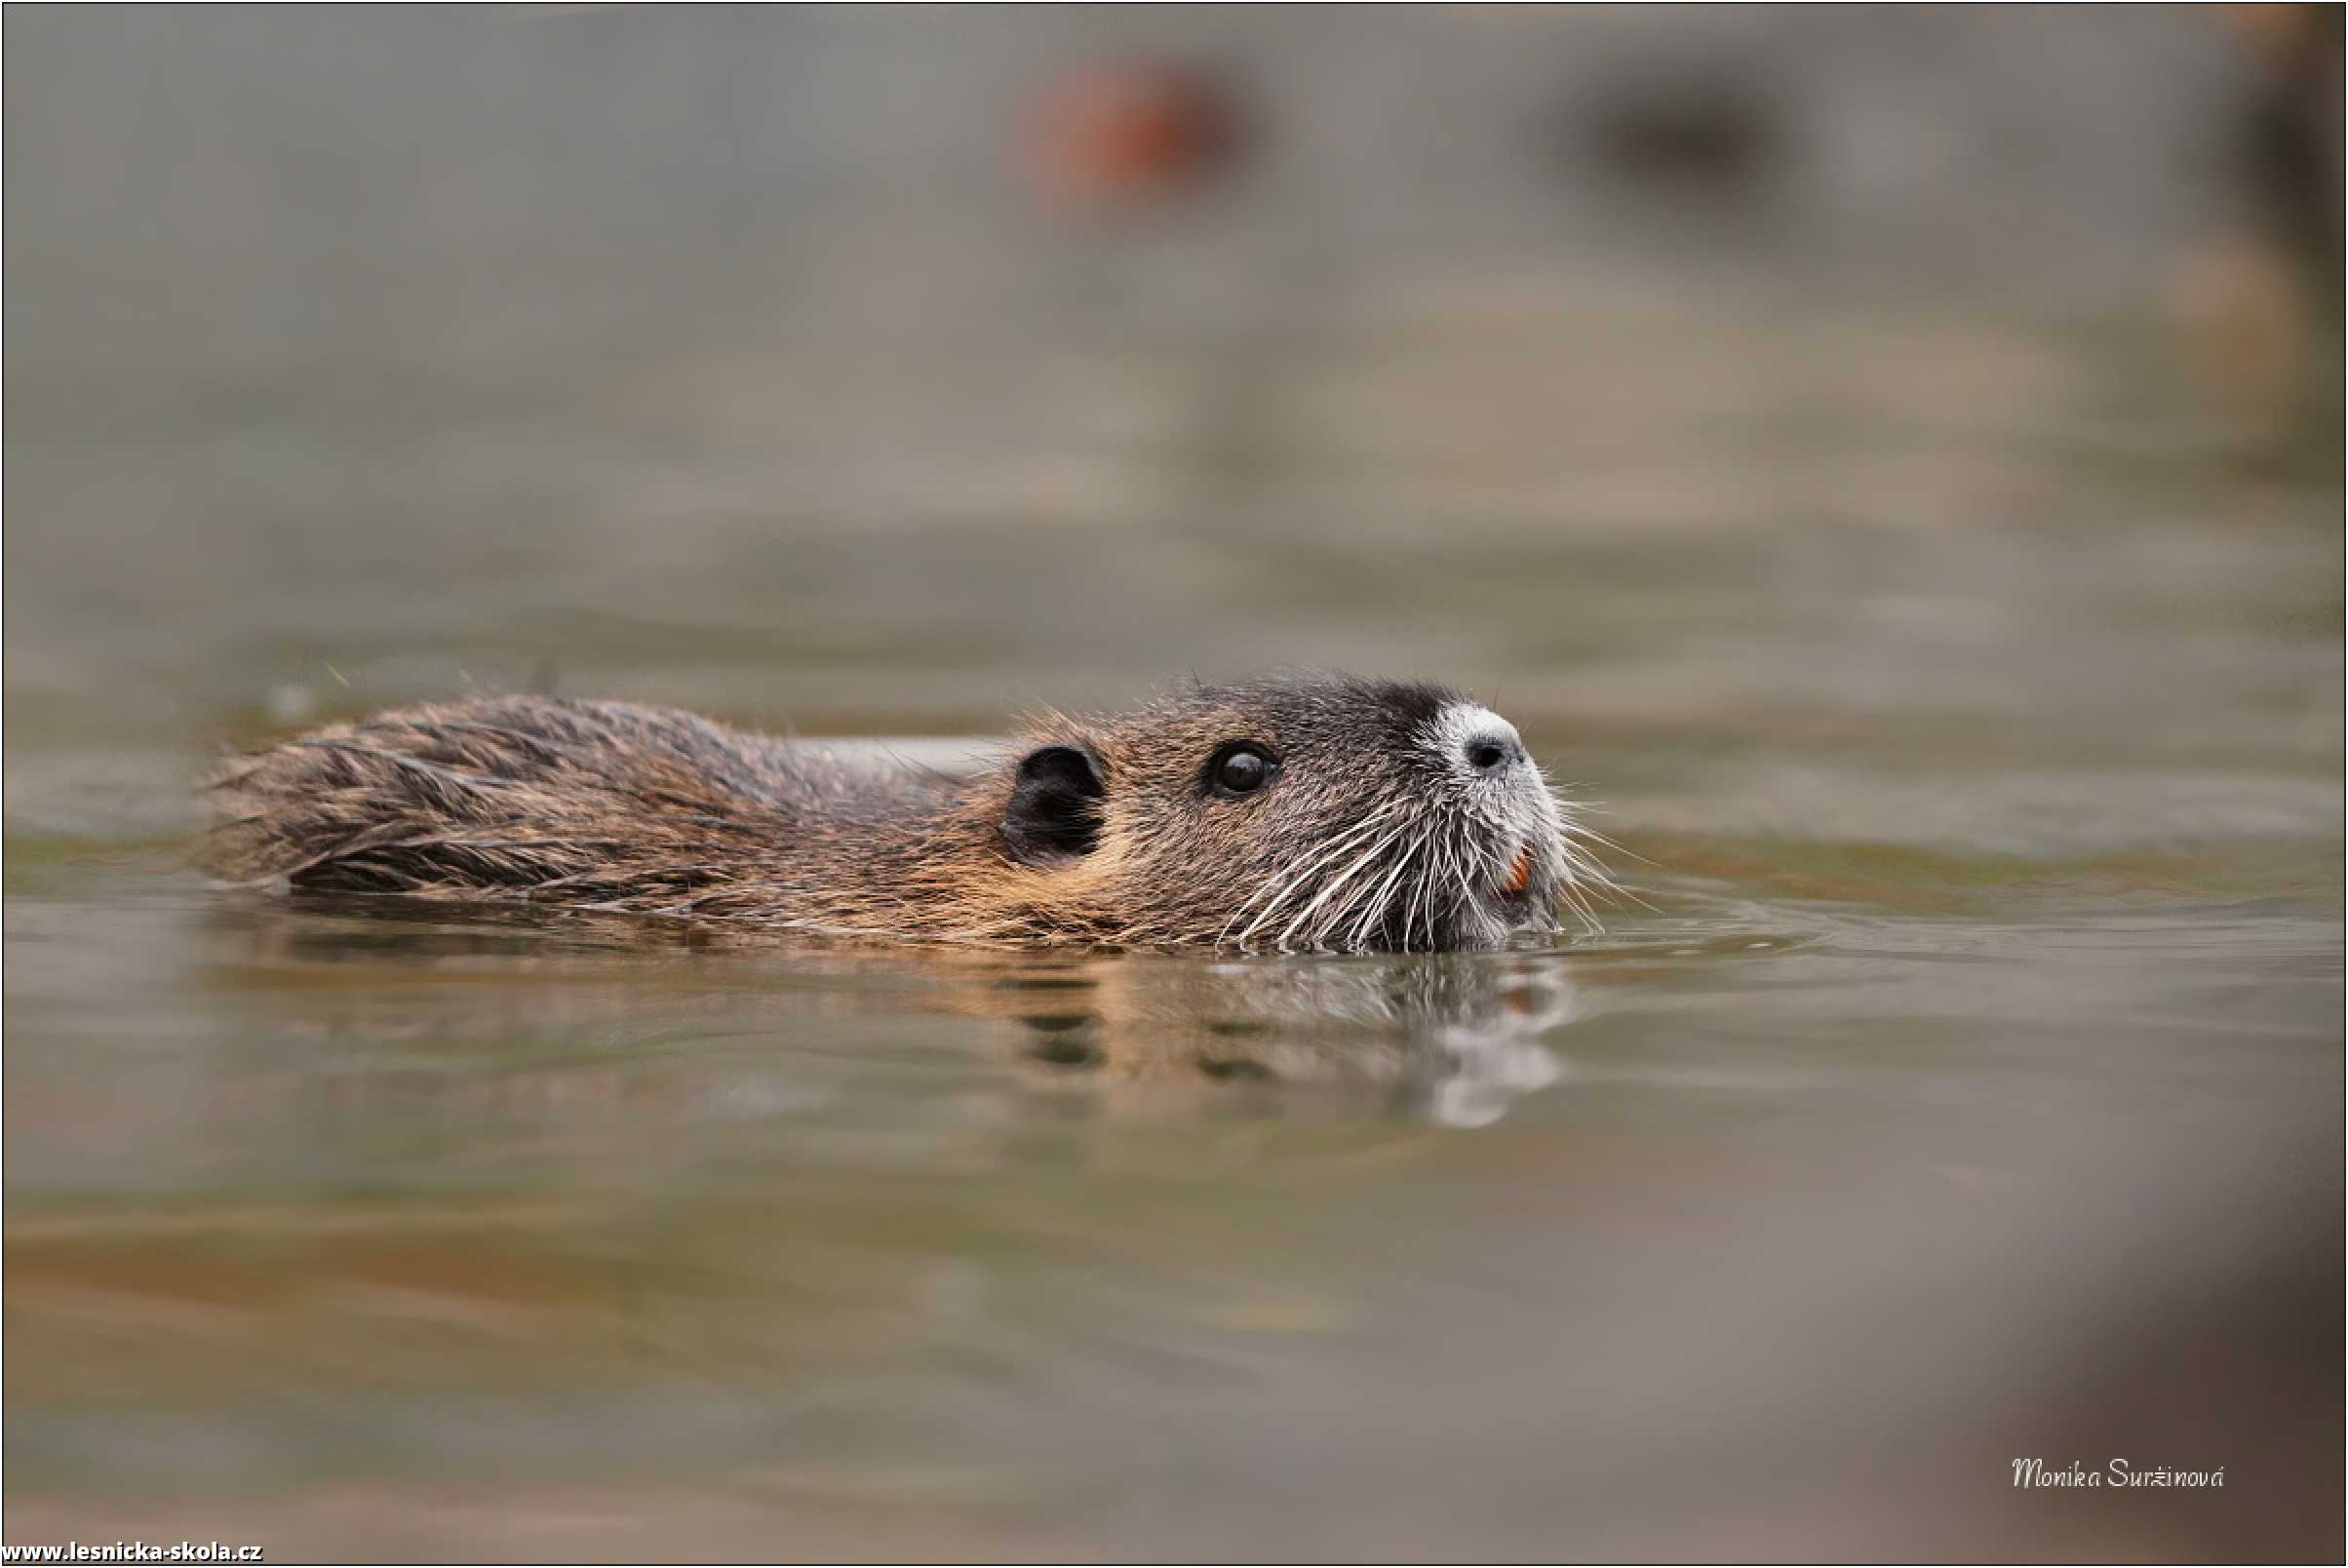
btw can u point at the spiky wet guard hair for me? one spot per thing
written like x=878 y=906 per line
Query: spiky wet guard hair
x=1092 y=831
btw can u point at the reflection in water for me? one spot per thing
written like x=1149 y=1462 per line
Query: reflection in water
x=1451 y=1037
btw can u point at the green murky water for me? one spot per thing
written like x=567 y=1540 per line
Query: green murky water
x=1968 y=1090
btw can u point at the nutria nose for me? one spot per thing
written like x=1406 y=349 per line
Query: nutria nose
x=1491 y=750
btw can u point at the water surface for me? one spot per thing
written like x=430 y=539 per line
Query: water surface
x=1966 y=695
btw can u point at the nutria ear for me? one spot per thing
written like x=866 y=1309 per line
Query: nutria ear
x=1054 y=815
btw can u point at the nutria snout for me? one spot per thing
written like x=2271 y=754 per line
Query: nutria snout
x=1290 y=813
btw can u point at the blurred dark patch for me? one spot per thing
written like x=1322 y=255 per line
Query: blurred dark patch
x=1065 y=1041
x=2288 y=145
x=1065 y=1053
x=1704 y=133
x=2256 y=305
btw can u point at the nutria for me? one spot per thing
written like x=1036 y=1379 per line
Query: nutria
x=1301 y=812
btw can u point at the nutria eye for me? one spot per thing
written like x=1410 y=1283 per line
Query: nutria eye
x=1241 y=769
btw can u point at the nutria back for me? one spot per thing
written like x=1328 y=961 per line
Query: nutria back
x=1305 y=811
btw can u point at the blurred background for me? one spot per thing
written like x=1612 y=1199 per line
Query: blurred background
x=1892 y=457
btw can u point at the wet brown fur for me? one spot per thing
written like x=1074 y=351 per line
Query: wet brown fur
x=611 y=806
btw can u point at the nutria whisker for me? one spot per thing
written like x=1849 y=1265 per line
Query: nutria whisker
x=1306 y=913
x=1375 y=913
x=1273 y=907
x=1357 y=898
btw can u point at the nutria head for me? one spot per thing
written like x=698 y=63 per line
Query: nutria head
x=1305 y=812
